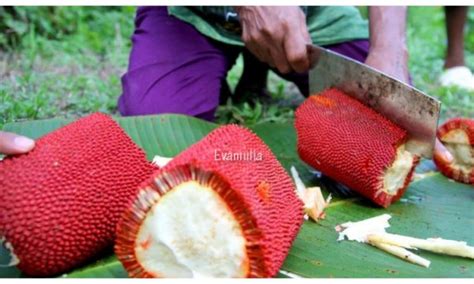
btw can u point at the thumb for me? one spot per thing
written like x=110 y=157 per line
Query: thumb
x=442 y=153
x=11 y=143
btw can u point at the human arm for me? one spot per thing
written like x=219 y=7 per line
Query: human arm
x=388 y=48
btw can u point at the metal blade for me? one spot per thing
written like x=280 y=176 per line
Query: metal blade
x=409 y=108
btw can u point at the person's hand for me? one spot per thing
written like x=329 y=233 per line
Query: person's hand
x=442 y=153
x=276 y=36
x=11 y=144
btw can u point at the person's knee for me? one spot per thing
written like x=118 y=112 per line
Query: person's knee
x=179 y=92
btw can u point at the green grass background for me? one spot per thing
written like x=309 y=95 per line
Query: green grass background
x=67 y=61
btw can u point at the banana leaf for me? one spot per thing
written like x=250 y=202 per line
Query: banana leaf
x=433 y=206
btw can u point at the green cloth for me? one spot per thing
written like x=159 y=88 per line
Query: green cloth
x=326 y=24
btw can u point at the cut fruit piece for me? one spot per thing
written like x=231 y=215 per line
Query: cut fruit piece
x=362 y=231
x=312 y=197
x=402 y=253
x=457 y=135
x=372 y=231
x=205 y=216
x=160 y=161
x=60 y=203
x=353 y=144
x=437 y=245
x=358 y=231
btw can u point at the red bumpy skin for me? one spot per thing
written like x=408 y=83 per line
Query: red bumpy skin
x=60 y=203
x=351 y=143
x=457 y=135
x=257 y=192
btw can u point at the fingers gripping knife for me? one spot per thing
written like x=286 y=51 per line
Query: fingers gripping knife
x=363 y=128
x=409 y=108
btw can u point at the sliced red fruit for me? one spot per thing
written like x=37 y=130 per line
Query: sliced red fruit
x=457 y=135
x=225 y=207
x=353 y=144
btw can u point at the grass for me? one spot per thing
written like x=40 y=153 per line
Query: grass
x=70 y=76
x=427 y=43
x=46 y=73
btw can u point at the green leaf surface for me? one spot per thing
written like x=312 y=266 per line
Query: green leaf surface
x=108 y=267
x=432 y=207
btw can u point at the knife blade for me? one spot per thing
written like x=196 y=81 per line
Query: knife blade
x=406 y=106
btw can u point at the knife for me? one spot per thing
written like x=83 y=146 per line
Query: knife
x=408 y=107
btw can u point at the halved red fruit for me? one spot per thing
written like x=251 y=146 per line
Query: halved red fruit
x=353 y=144
x=457 y=135
x=224 y=207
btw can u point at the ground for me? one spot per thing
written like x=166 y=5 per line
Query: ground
x=68 y=61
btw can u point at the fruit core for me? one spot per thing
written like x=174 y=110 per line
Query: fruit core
x=395 y=175
x=191 y=232
x=457 y=143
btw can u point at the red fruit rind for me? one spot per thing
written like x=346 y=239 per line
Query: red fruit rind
x=60 y=203
x=353 y=144
x=455 y=134
x=258 y=193
x=166 y=181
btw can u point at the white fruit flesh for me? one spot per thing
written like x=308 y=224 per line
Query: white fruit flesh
x=372 y=231
x=457 y=143
x=396 y=174
x=312 y=197
x=358 y=231
x=191 y=232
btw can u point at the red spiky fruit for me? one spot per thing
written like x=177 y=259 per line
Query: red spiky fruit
x=457 y=135
x=225 y=207
x=60 y=203
x=353 y=144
